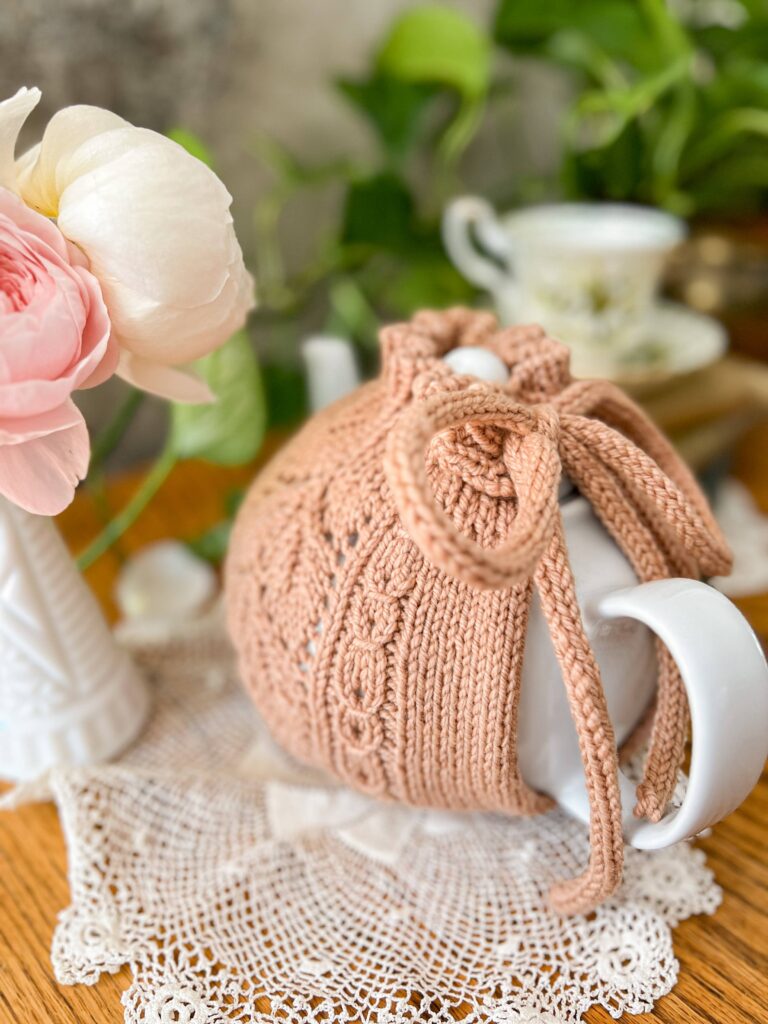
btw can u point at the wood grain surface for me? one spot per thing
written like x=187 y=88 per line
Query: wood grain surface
x=723 y=959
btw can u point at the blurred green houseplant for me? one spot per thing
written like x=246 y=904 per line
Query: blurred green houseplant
x=669 y=107
x=670 y=98
x=422 y=100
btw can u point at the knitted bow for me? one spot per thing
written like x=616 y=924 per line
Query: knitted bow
x=645 y=497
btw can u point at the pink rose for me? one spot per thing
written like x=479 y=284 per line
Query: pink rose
x=55 y=336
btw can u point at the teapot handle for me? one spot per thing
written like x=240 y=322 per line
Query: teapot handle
x=725 y=675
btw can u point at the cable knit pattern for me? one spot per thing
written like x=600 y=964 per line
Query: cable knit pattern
x=382 y=566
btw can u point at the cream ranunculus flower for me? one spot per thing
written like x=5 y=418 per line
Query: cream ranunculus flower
x=155 y=225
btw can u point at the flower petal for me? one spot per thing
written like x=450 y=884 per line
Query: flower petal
x=170 y=382
x=172 y=241
x=44 y=172
x=13 y=114
x=155 y=225
x=101 y=352
x=62 y=339
x=40 y=471
x=34 y=224
x=172 y=334
x=15 y=429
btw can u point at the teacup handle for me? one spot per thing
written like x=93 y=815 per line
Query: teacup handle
x=725 y=675
x=471 y=216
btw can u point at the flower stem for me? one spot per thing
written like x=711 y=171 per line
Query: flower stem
x=110 y=437
x=96 y=486
x=112 y=532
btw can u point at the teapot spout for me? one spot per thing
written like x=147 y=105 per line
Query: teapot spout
x=331 y=369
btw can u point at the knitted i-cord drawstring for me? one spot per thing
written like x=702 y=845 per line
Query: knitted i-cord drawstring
x=651 y=506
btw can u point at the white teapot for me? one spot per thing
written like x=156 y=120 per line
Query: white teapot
x=440 y=627
x=720 y=659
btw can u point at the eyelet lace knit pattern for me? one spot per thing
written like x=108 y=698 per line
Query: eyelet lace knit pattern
x=382 y=567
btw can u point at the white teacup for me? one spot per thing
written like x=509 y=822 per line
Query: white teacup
x=588 y=272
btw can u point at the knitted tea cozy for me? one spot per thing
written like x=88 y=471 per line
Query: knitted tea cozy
x=382 y=567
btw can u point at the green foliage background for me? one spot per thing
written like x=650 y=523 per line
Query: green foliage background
x=669 y=107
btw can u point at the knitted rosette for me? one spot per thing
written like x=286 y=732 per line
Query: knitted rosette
x=382 y=567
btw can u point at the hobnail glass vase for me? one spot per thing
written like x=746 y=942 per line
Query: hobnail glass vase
x=69 y=695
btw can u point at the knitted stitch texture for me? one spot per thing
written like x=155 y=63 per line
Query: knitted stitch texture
x=382 y=567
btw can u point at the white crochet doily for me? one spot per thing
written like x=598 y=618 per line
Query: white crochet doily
x=241 y=888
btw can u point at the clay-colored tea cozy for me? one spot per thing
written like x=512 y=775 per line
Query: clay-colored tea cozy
x=382 y=567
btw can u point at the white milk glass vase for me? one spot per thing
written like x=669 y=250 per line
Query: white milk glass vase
x=69 y=695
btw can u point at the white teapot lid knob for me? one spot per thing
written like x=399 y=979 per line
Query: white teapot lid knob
x=479 y=362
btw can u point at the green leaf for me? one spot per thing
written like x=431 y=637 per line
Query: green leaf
x=614 y=29
x=213 y=543
x=615 y=172
x=289 y=171
x=394 y=108
x=192 y=143
x=230 y=430
x=750 y=39
x=600 y=116
x=524 y=25
x=668 y=140
x=578 y=51
x=742 y=82
x=350 y=313
x=435 y=44
x=425 y=282
x=279 y=160
x=738 y=183
x=723 y=134
x=233 y=500
x=286 y=394
x=378 y=212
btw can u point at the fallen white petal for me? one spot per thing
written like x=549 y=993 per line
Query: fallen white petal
x=165 y=581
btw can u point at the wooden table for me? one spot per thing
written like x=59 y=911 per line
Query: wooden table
x=723 y=959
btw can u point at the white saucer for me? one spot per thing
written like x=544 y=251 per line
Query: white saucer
x=678 y=342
